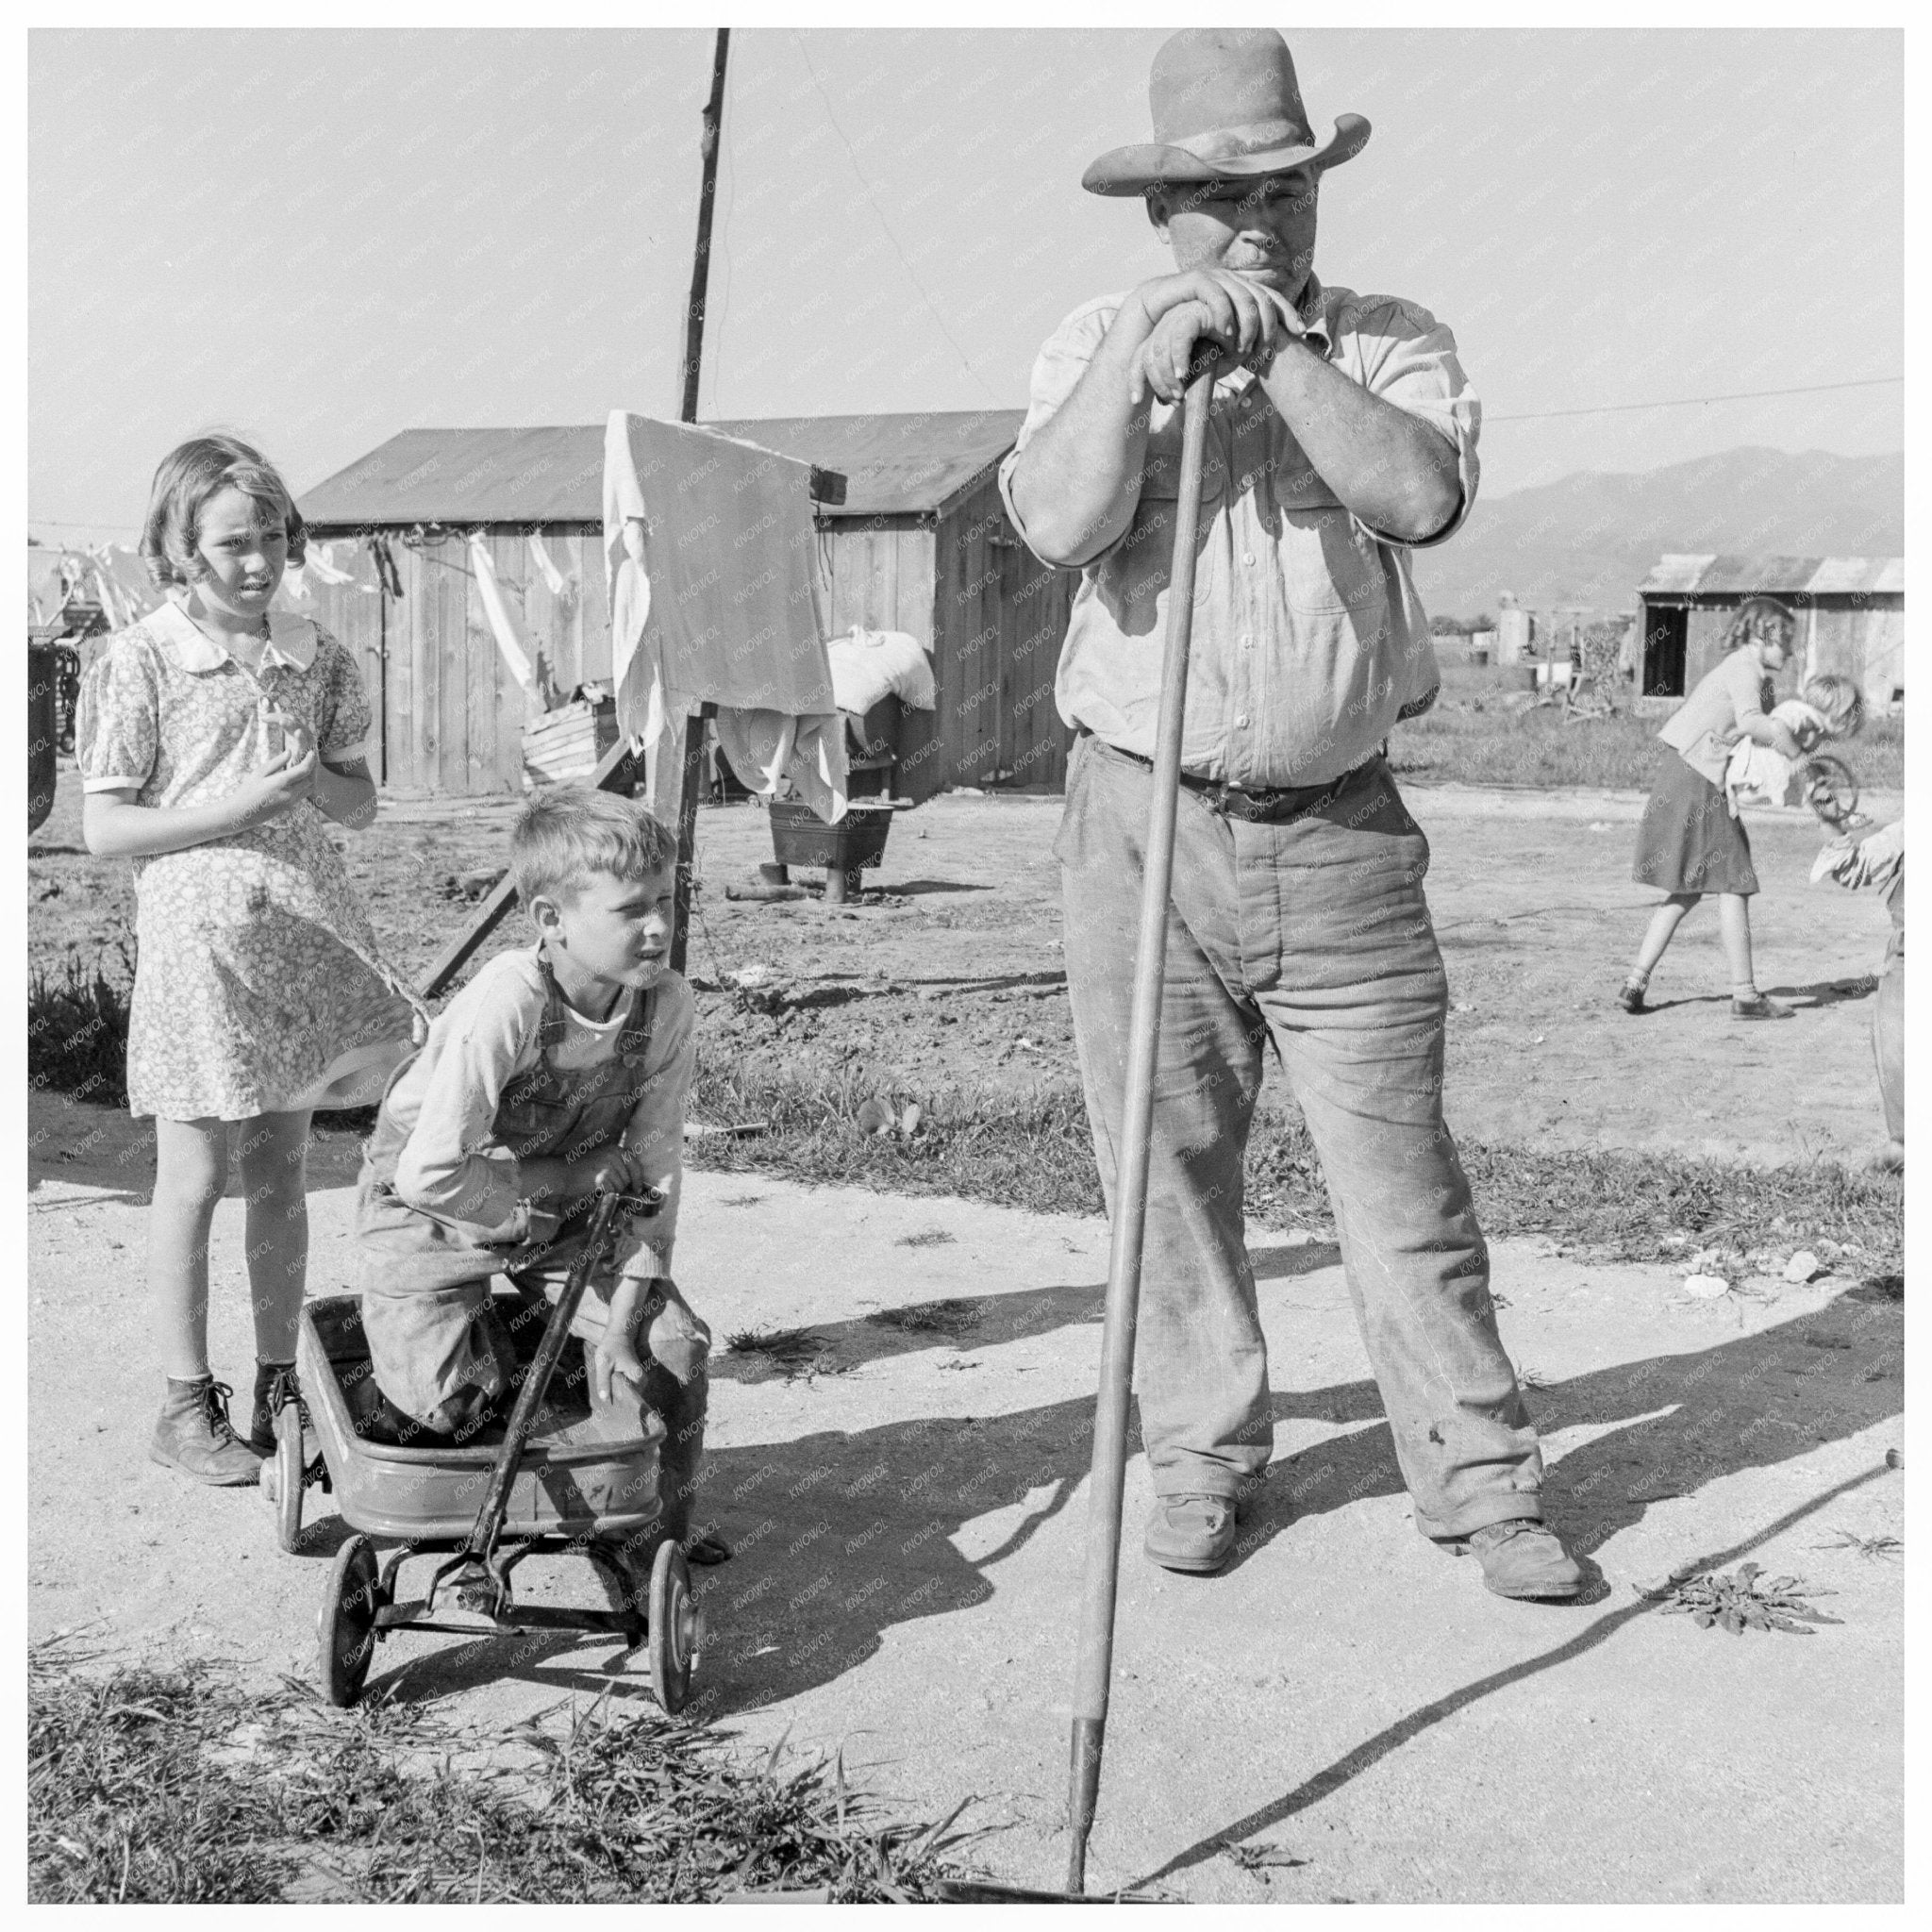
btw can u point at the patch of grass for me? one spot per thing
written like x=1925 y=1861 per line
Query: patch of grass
x=1033 y=1152
x=796 y=1351
x=953 y=1317
x=926 y=1238
x=1607 y=1205
x=1737 y=1601
x=177 y=1785
x=77 y=1031
x=1467 y=738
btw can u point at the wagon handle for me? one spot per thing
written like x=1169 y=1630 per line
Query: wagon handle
x=481 y=1546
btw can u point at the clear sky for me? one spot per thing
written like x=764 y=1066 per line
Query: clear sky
x=321 y=237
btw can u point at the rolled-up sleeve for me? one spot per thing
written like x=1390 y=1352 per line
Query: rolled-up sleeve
x=1409 y=359
x=1057 y=372
x=656 y=1131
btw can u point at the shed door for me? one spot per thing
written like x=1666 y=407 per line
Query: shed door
x=1666 y=638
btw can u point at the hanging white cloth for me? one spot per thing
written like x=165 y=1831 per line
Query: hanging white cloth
x=868 y=665
x=716 y=597
x=547 y=569
x=503 y=625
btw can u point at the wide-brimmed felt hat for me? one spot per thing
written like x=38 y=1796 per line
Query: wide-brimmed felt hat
x=1226 y=108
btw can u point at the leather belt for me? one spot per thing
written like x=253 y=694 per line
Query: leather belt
x=1256 y=805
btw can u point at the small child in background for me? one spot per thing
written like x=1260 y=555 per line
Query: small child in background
x=1831 y=708
x=559 y=1071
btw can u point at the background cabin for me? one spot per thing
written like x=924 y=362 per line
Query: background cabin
x=920 y=544
x=1851 y=614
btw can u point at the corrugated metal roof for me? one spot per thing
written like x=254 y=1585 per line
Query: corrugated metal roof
x=1735 y=575
x=891 y=464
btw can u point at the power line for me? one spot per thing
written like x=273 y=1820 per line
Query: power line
x=887 y=226
x=1808 y=389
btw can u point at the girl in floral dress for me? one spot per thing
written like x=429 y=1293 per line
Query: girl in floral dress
x=216 y=738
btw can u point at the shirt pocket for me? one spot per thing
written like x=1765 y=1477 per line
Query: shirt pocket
x=1330 y=566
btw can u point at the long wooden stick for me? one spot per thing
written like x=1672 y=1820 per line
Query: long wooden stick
x=1130 y=1185
x=693 y=750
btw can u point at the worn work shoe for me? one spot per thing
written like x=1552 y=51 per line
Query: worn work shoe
x=1760 y=1009
x=1192 y=1534
x=1631 y=998
x=195 y=1436
x=275 y=1388
x=1523 y=1557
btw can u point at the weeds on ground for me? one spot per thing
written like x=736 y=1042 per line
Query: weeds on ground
x=1867 y=1546
x=796 y=1351
x=177 y=1785
x=953 y=1317
x=926 y=1238
x=77 y=1031
x=1737 y=1601
x=1037 y=1153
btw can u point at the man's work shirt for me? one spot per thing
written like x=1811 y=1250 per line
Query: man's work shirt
x=1308 y=638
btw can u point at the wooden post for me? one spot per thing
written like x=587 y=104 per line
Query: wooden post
x=701 y=263
x=693 y=755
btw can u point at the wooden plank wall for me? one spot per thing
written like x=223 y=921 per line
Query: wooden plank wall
x=963 y=582
x=882 y=577
x=454 y=713
x=1000 y=619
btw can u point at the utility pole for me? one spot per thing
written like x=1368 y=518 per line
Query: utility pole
x=688 y=412
x=701 y=261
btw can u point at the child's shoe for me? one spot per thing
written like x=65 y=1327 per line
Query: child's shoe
x=1631 y=998
x=195 y=1436
x=1759 y=1007
x=275 y=1388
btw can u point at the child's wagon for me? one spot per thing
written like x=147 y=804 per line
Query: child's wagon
x=540 y=1483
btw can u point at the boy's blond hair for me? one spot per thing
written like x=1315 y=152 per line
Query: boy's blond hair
x=1838 y=700
x=567 y=832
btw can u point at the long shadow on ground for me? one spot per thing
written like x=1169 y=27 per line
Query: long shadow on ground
x=839 y=1535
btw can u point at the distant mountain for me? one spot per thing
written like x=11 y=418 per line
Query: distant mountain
x=1592 y=539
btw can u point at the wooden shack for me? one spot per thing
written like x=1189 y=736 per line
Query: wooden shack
x=1851 y=614
x=921 y=544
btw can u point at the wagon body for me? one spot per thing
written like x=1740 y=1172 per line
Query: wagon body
x=571 y=1483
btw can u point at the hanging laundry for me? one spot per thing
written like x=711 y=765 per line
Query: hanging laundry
x=321 y=564
x=503 y=625
x=540 y=555
x=716 y=597
x=868 y=665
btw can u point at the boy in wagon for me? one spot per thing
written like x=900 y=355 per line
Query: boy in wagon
x=560 y=1072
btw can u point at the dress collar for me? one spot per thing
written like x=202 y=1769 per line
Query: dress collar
x=291 y=640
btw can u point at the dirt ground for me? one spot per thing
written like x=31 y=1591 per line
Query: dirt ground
x=1345 y=1702
x=949 y=971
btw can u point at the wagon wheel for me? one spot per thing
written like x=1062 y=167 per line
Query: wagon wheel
x=290 y=1471
x=345 y=1630
x=677 y=1629
x=1830 y=789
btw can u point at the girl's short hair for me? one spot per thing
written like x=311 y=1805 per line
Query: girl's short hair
x=569 y=832
x=1839 y=701
x=1760 y=617
x=188 y=475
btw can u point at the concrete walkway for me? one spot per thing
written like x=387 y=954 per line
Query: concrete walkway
x=909 y=1527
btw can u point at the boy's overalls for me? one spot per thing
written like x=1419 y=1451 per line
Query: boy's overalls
x=440 y=1352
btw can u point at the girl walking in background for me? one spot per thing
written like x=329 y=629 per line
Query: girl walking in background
x=1690 y=842
x=215 y=737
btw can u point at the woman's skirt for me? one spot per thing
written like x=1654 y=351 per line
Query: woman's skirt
x=1688 y=842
